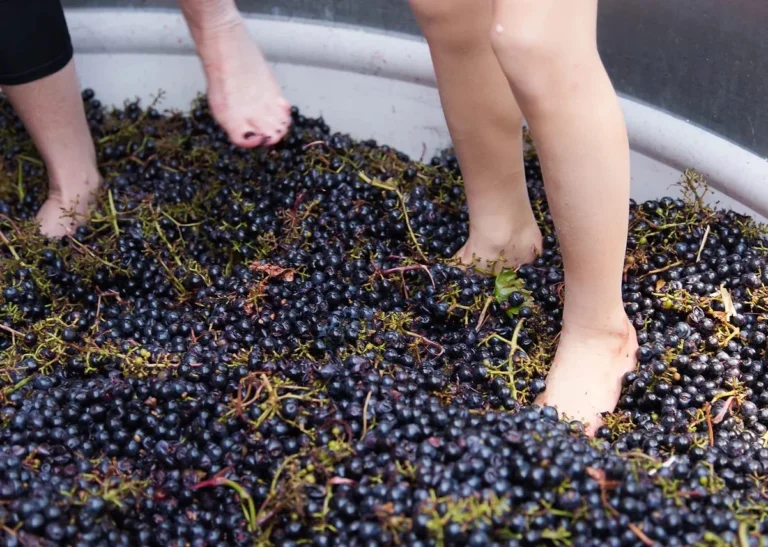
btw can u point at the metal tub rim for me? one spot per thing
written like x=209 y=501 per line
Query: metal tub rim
x=729 y=168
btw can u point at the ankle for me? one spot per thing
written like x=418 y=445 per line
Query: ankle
x=217 y=23
x=505 y=231
x=616 y=326
x=70 y=183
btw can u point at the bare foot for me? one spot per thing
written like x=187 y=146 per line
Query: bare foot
x=68 y=202
x=585 y=378
x=243 y=94
x=501 y=249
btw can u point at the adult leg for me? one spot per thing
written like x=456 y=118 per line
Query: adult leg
x=243 y=94
x=37 y=74
x=486 y=128
x=548 y=50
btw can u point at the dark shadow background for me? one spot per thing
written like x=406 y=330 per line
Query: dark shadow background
x=702 y=60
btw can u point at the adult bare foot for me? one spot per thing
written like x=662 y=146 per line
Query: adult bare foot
x=69 y=198
x=243 y=94
x=499 y=248
x=585 y=378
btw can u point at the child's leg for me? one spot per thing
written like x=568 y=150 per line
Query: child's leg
x=37 y=74
x=549 y=53
x=243 y=94
x=485 y=125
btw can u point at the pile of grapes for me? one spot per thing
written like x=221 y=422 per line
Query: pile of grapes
x=270 y=348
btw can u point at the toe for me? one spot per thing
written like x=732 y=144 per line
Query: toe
x=271 y=130
x=241 y=133
x=276 y=136
x=267 y=127
x=52 y=225
x=253 y=139
x=286 y=119
x=246 y=137
x=591 y=427
x=280 y=116
x=284 y=106
x=53 y=231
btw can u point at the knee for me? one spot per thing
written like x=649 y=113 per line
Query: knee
x=429 y=12
x=524 y=50
x=536 y=60
x=453 y=23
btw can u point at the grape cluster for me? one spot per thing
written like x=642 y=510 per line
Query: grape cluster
x=270 y=347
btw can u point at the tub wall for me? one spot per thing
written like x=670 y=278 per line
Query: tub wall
x=377 y=85
x=702 y=60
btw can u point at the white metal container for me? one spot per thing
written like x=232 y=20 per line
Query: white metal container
x=380 y=85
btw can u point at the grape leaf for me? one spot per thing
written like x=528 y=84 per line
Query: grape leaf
x=508 y=282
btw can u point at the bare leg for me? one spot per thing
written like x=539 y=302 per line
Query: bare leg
x=53 y=114
x=548 y=50
x=243 y=94
x=486 y=128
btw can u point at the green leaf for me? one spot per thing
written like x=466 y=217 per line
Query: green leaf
x=508 y=282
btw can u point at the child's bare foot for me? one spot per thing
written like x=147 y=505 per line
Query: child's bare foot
x=53 y=114
x=585 y=378
x=243 y=94
x=69 y=198
x=501 y=248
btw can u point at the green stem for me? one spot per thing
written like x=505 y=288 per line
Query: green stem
x=86 y=250
x=249 y=509
x=743 y=535
x=113 y=213
x=112 y=498
x=20 y=182
x=401 y=198
x=167 y=244
x=176 y=283
x=513 y=346
x=177 y=223
x=14 y=388
x=30 y=159
x=10 y=247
